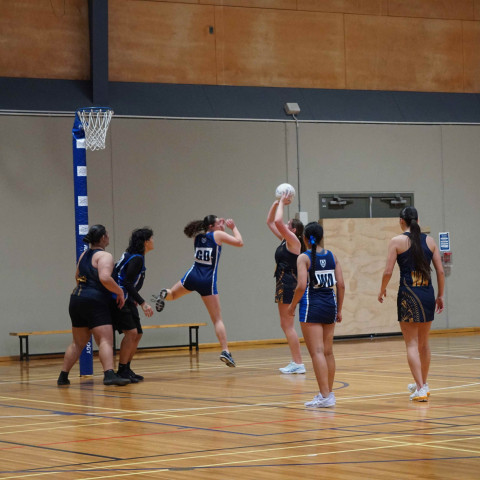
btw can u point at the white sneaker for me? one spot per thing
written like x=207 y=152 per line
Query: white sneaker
x=413 y=386
x=327 y=402
x=420 y=395
x=293 y=367
x=314 y=402
x=322 y=402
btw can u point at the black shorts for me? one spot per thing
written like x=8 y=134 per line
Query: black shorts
x=127 y=318
x=285 y=288
x=87 y=312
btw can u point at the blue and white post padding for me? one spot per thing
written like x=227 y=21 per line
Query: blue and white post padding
x=81 y=217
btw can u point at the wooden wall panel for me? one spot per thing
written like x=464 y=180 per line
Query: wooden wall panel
x=169 y=1
x=275 y=4
x=161 y=42
x=332 y=6
x=386 y=53
x=44 y=39
x=471 y=42
x=363 y=7
x=360 y=245
x=279 y=48
x=354 y=44
x=440 y=9
x=476 y=10
x=446 y=9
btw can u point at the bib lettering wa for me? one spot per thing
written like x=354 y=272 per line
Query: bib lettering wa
x=325 y=278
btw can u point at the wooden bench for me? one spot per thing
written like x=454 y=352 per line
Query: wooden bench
x=192 y=327
x=192 y=340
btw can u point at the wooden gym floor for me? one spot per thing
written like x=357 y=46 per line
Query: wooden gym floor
x=195 y=418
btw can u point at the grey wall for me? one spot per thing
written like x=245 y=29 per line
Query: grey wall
x=164 y=173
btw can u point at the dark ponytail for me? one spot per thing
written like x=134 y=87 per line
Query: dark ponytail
x=95 y=234
x=299 y=228
x=138 y=238
x=199 y=226
x=314 y=234
x=420 y=264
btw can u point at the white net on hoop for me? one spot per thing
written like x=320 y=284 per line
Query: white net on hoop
x=95 y=122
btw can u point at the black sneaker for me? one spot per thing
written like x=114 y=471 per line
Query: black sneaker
x=160 y=300
x=139 y=378
x=111 y=378
x=126 y=373
x=227 y=358
x=63 y=379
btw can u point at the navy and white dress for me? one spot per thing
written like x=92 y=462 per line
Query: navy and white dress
x=416 y=297
x=202 y=276
x=319 y=302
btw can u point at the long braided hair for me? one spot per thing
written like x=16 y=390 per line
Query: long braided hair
x=299 y=228
x=199 y=226
x=420 y=264
x=314 y=234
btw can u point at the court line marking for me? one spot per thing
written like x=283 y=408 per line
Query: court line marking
x=357 y=434
x=443 y=447
x=246 y=366
x=288 y=465
x=207 y=365
x=274 y=360
x=386 y=395
x=436 y=444
x=237 y=462
x=161 y=415
x=223 y=409
x=395 y=439
x=182 y=429
x=453 y=356
x=217 y=407
x=283 y=443
x=50 y=402
x=250 y=461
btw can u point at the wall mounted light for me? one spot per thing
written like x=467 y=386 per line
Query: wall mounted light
x=292 y=108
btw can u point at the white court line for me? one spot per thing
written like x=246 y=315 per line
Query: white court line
x=247 y=405
x=250 y=364
x=452 y=356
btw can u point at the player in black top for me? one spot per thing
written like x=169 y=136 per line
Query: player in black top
x=130 y=274
x=90 y=305
x=286 y=276
x=416 y=301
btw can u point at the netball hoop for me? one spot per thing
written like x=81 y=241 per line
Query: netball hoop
x=94 y=122
x=89 y=132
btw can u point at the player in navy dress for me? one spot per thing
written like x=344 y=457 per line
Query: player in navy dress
x=291 y=236
x=209 y=235
x=90 y=306
x=416 y=304
x=129 y=272
x=319 y=273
